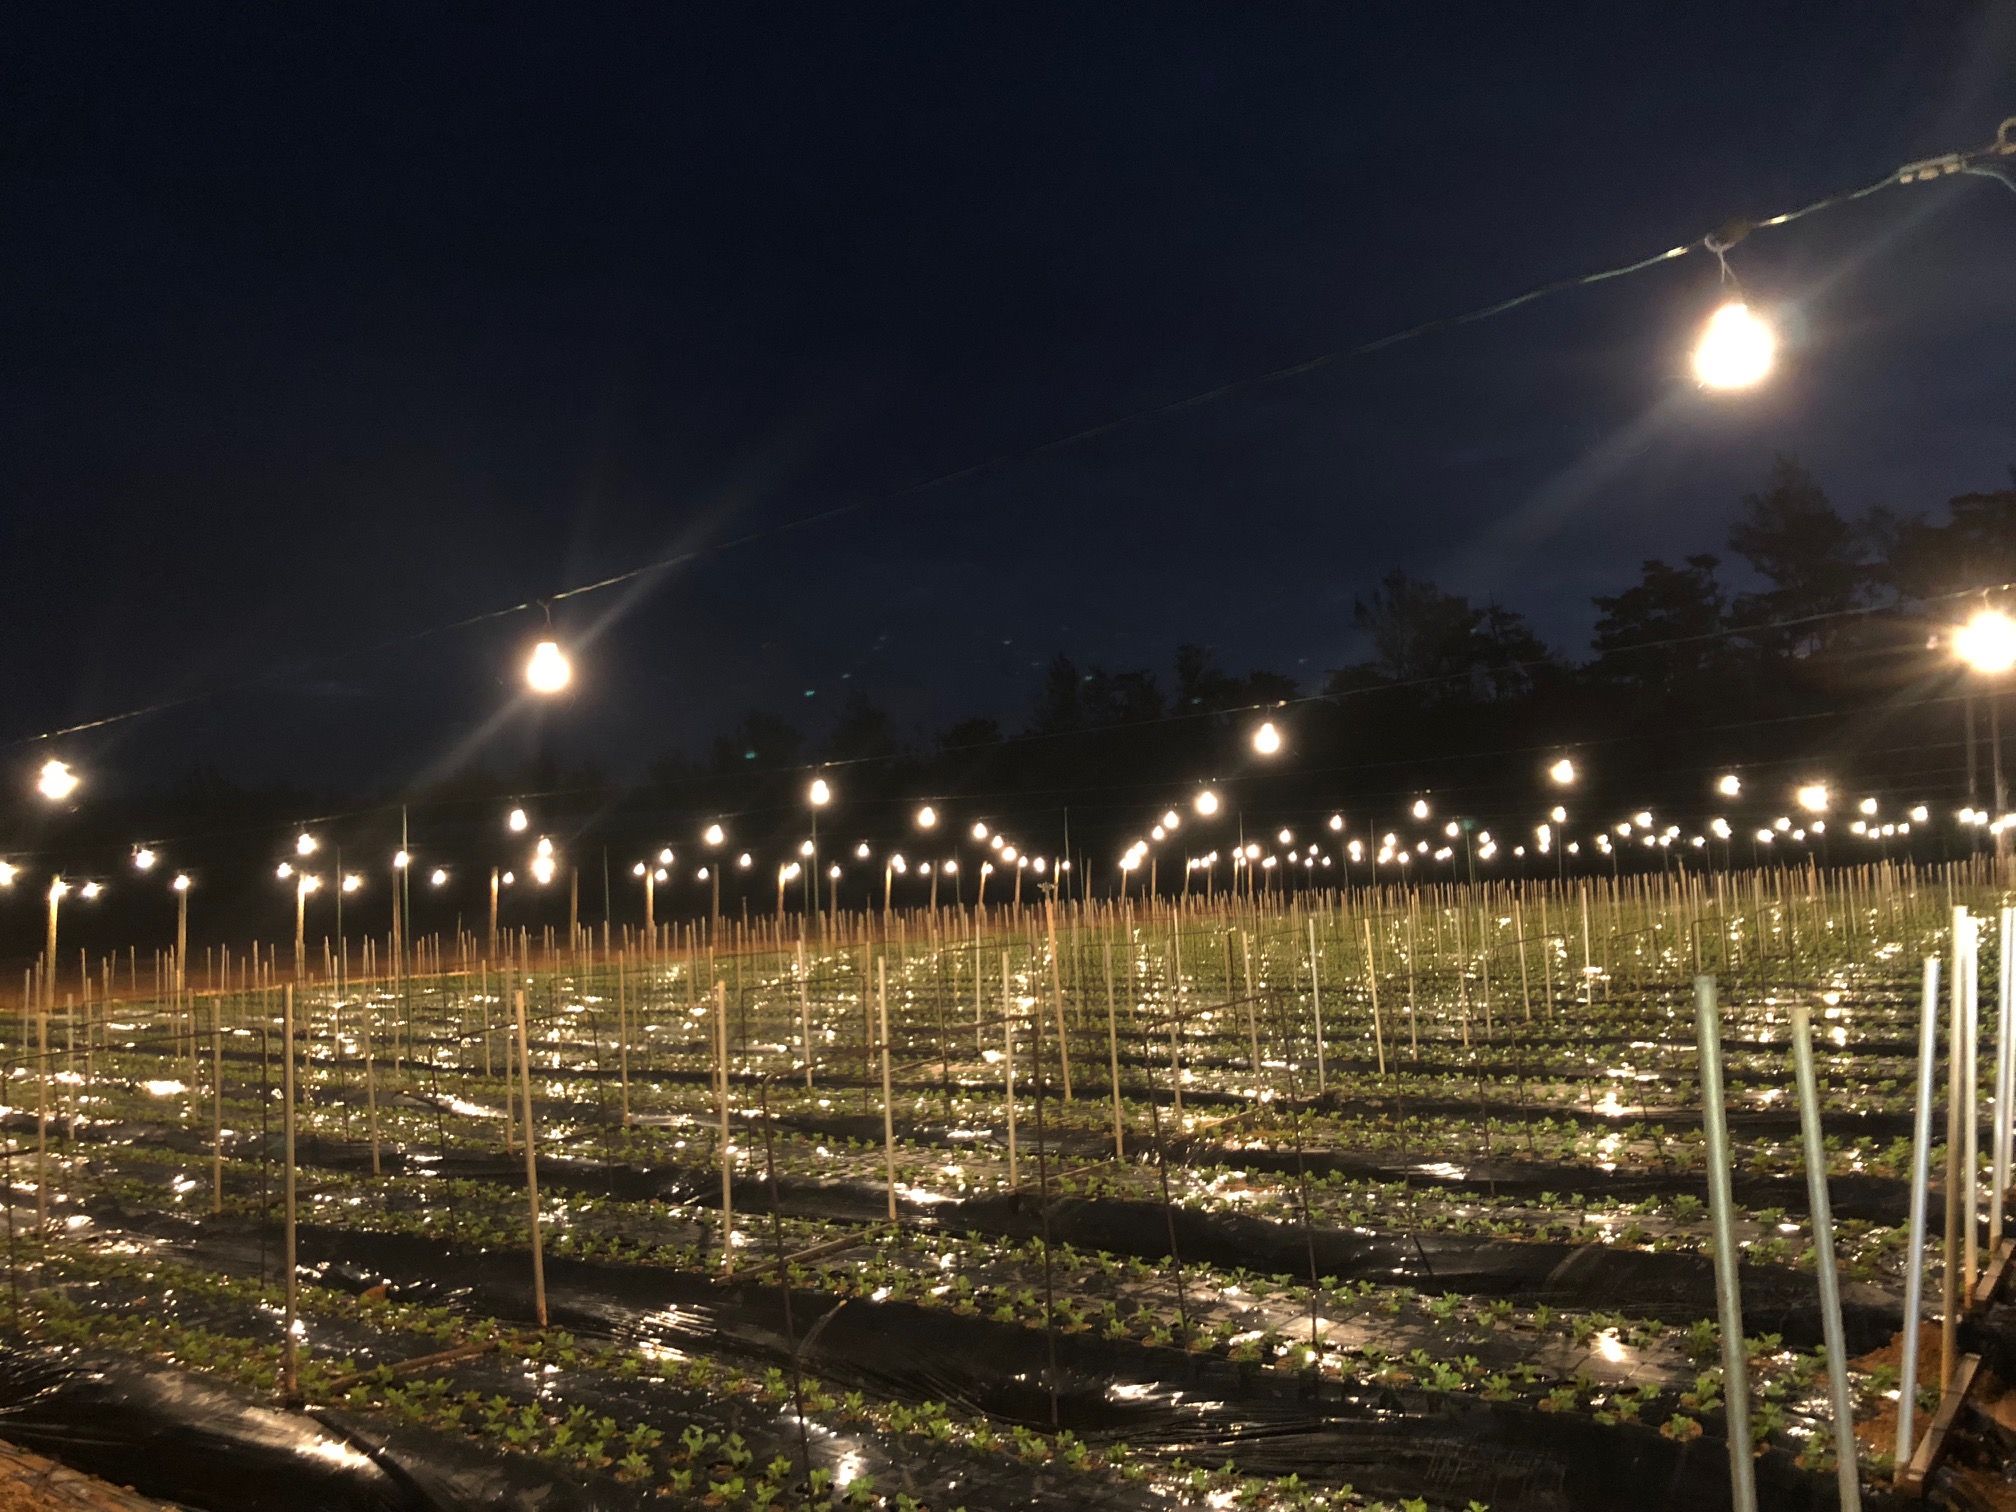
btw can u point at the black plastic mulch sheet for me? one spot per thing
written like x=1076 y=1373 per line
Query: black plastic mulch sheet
x=169 y=1434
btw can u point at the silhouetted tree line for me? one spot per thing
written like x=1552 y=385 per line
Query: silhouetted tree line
x=1831 y=667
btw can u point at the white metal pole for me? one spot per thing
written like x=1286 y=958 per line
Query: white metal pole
x=1846 y=1473
x=1914 y=1253
x=1728 y=1291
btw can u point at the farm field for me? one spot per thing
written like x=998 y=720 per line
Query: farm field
x=1386 y=1198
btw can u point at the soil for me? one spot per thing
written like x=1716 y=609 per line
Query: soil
x=30 y=1483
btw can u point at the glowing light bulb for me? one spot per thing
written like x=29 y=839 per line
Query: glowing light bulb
x=1813 y=797
x=1563 y=771
x=1867 y=805
x=1987 y=642
x=714 y=834
x=305 y=844
x=542 y=869
x=181 y=881
x=1206 y=803
x=949 y=868
x=927 y=817
x=1558 y=814
x=352 y=882
x=1267 y=739
x=637 y=870
x=56 y=781
x=548 y=672
x=1007 y=853
x=979 y=832
x=143 y=859
x=516 y=821
x=1420 y=809
x=1736 y=349
x=1729 y=785
x=283 y=871
x=1286 y=837
x=861 y=851
x=544 y=848
x=805 y=848
x=438 y=877
x=1171 y=819
x=401 y=860
x=745 y=860
x=90 y=890
x=819 y=794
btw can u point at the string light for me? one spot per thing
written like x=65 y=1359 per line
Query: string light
x=56 y=781
x=1736 y=349
x=1563 y=771
x=143 y=859
x=1987 y=643
x=516 y=821
x=548 y=672
x=1206 y=803
x=927 y=817
x=819 y=794
x=1267 y=739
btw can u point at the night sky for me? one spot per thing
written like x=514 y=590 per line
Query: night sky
x=324 y=329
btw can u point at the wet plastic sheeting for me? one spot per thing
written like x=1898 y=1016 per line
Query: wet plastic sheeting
x=170 y=1435
x=1383 y=1441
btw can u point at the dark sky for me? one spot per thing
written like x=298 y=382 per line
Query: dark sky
x=326 y=328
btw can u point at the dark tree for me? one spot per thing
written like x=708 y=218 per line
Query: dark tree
x=1662 y=634
x=1812 y=558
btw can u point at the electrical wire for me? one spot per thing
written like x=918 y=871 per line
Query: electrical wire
x=1970 y=161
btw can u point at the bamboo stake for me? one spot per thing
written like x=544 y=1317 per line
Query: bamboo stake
x=290 y=1382
x=1008 y=1066
x=727 y=1151
x=888 y=1105
x=1372 y=978
x=1316 y=1006
x=531 y=1162
x=1113 y=1054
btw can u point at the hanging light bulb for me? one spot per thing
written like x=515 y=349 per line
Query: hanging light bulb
x=1267 y=739
x=56 y=781
x=548 y=672
x=1736 y=349
x=927 y=817
x=1987 y=642
x=516 y=821
x=1206 y=803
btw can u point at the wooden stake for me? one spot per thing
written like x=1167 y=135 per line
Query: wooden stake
x=290 y=1382
x=727 y=1156
x=888 y=1106
x=531 y=1162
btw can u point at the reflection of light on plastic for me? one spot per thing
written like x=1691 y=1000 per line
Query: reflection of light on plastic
x=162 y=1088
x=1736 y=349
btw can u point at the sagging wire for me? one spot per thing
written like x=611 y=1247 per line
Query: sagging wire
x=1977 y=161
